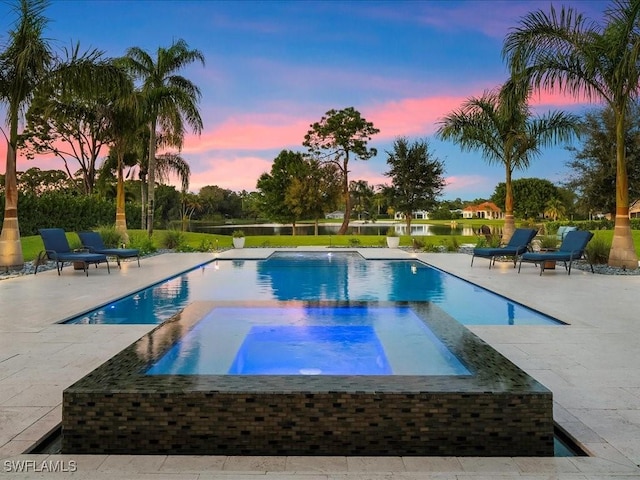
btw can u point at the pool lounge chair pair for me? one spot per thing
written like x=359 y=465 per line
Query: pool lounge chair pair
x=572 y=248
x=57 y=249
x=518 y=244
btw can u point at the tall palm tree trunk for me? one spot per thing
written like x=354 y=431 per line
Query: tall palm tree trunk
x=509 y=219
x=143 y=199
x=622 y=253
x=121 y=219
x=151 y=178
x=10 y=247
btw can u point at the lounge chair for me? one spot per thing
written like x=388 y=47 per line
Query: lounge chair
x=572 y=248
x=92 y=241
x=57 y=249
x=518 y=244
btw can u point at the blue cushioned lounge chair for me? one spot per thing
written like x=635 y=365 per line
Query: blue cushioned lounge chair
x=572 y=248
x=92 y=241
x=57 y=249
x=518 y=244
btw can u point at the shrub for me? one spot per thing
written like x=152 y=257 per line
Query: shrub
x=173 y=239
x=391 y=232
x=354 y=242
x=418 y=244
x=548 y=241
x=70 y=212
x=493 y=241
x=432 y=248
x=142 y=242
x=237 y=234
x=206 y=245
x=598 y=250
x=451 y=244
x=110 y=236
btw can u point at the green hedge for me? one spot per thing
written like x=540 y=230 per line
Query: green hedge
x=603 y=224
x=69 y=212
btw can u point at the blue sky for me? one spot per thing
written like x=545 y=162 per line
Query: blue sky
x=274 y=67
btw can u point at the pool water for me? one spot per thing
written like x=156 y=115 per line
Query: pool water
x=313 y=277
x=299 y=340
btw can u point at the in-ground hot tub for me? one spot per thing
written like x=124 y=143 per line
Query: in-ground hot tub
x=491 y=408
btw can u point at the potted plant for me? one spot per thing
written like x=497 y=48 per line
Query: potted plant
x=238 y=239
x=393 y=240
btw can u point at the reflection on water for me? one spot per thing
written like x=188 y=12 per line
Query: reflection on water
x=454 y=228
x=317 y=277
x=152 y=305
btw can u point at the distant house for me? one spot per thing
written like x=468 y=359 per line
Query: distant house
x=415 y=215
x=634 y=212
x=488 y=210
x=337 y=215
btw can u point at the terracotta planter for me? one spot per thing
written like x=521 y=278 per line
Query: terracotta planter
x=549 y=264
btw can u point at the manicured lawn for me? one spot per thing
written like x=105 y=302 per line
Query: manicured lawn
x=32 y=245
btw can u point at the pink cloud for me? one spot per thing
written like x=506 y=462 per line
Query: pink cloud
x=462 y=183
x=231 y=172
x=411 y=116
x=44 y=162
x=250 y=132
x=555 y=99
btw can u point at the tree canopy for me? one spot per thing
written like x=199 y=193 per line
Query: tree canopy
x=593 y=168
x=531 y=196
x=339 y=135
x=416 y=177
x=274 y=186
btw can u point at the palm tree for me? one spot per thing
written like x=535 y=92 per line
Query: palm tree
x=501 y=126
x=125 y=122
x=565 y=51
x=23 y=63
x=28 y=68
x=172 y=163
x=555 y=209
x=169 y=100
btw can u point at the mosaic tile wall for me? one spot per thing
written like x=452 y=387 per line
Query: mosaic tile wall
x=498 y=411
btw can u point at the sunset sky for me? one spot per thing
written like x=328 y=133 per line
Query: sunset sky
x=275 y=67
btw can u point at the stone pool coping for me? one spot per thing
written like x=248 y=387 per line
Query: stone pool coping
x=587 y=367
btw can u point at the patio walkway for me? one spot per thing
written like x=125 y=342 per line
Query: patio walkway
x=591 y=366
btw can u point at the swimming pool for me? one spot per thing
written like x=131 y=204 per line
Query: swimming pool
x=491 y=409
x=317 y=276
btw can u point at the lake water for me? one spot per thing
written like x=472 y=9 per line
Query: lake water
x=332 y=229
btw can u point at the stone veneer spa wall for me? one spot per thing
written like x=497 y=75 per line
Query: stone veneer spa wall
x=497 y=411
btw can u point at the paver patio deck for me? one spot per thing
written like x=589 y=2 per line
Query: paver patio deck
x=591 y=366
